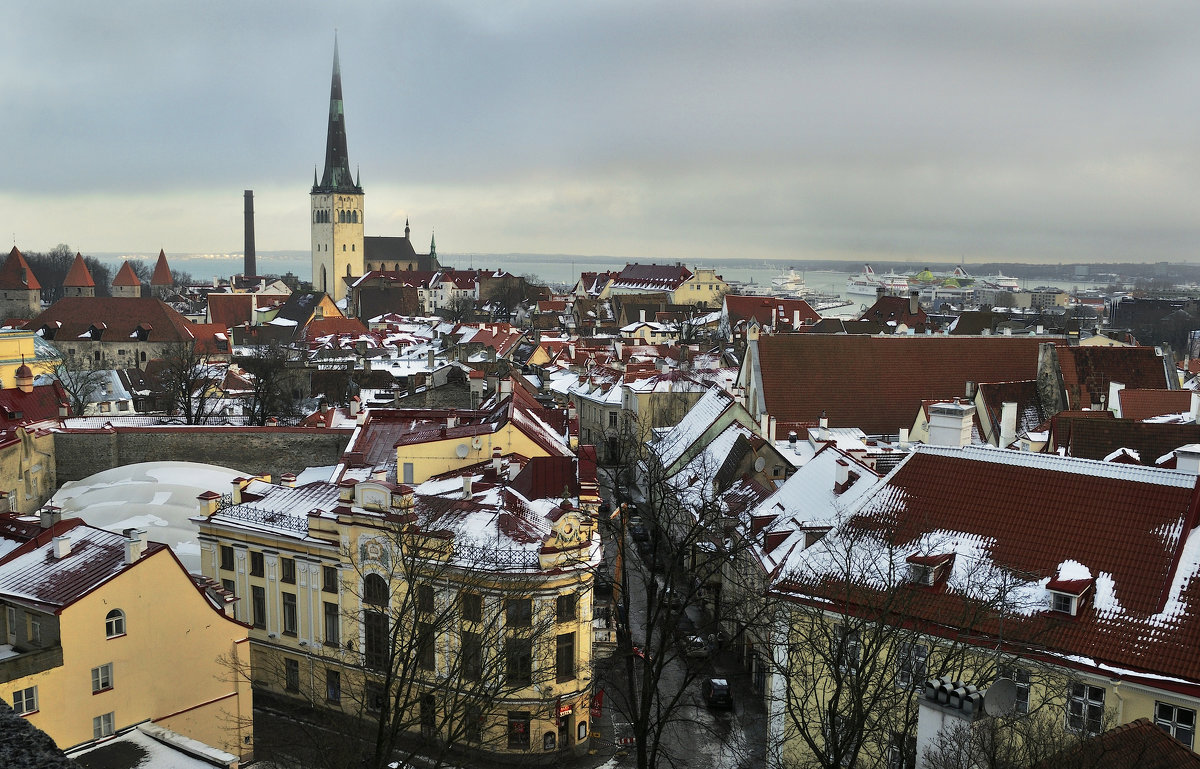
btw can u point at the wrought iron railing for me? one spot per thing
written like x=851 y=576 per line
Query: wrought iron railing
x=273 y=518
x=495 y=558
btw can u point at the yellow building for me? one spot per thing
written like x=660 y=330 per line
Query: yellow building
x=422 y=443
x=705 y=288
x=103 y=632
x=460 y=610
x=17 y=347
x=1071 y=578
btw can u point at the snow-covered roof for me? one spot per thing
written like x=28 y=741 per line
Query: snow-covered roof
x=700 y=417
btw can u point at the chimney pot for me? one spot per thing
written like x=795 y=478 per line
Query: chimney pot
x=62 y=546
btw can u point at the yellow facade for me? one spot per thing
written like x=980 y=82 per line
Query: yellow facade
x=27 y=470
x=324 y=571
x=805 y=681
x=176 y=664
x=418 y=462
x=705 y=288
x=17 y=347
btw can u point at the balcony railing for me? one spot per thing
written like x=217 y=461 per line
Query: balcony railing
x=496 y=558
x=273 y=518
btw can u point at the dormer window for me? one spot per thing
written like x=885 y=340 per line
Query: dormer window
x=1061 y=602
x=1067 y=595
x=928 y=570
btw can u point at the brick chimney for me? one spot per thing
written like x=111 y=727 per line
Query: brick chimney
x=249 y=266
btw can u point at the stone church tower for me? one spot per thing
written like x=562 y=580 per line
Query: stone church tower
x=337 y=206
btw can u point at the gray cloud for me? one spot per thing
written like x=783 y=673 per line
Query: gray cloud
x=1023 y=131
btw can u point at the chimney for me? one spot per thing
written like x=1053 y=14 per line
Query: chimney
x=950 y=424
x=641 y=316
x=135 y=544
x=823 y=427
x=451 y=421
x=764 y=426
x=505 y=387
x=1195 y=407
x=773 y=429
x=513 y=469
x=796 y=318
x=1114 y=399
x=496 y=460
x=50 y=516
x=914 y=302
x=467 y=486
x=902 y=438
x=355 y=405
x=64 y=410
x=288 y=480
x=250 y=267
x=431 y=358
x=1187 y=458
x=62 y=547
x=841 y=475
x=792 y=439
x=970 y=390
x=1008 y=423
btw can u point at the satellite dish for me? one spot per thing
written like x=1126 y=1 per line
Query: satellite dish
x=461 y=451
x=1000 y=698
x=759 y=464
x=477 y=442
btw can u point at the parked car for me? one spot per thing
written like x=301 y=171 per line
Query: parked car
x=696 y=648
x=716 y=693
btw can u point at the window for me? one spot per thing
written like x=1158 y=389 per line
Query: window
x=102 y=726
x=564 y=659
x=912 y=664
x=10 y=623
x=472 y=607
x=229 y=586
x=473 y=723
x=425 y=598
x=408 y=472
x=333 y=635
x=1178 y=722
x=519 y=654
x=902 y=752
x=35 y=630
x=840 y=740
x=612 y=419
x=472 y=657
x=519 y=612
x=375 y=590
x=518 y=730
x=425 y=646
x=1085 y=708
x=847 y=649
x=565 y=606
x=329 y=579
x=258 y=602
x=226 y=557
x=256 y=564
x=102 y=678
x=25 y=700
x=291 y=675
x=114 y=623
x=287 y=570
x=1061 y=602
x=333 y=686
x=1020 y=678
x=374 y=697
x=289 y=613
x=376 y=639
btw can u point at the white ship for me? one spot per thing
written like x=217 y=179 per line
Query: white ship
x=788 y=284
x=1002 y=282
x=867 y=283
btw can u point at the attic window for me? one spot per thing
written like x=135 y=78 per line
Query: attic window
x=928 y=569
x=1063 y=602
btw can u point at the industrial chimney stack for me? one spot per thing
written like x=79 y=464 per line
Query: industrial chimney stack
x=250 y=268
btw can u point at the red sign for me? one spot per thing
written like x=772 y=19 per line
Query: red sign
x=597 y=703
x=564 y=710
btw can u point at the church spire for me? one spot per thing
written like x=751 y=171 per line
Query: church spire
x=337 y=176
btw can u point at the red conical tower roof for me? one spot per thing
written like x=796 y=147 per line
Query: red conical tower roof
x=79 y=276
x=162 y=273
x=125 y=277
x=16 y=275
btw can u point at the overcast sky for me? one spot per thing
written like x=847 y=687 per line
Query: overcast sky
x=863 y=129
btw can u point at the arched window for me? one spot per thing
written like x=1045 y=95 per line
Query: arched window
x=114 y=623
x=375 y=590
x=322 y=277
x=355 y=216
x=347 y=270
x=353 y=246
x=343 y=246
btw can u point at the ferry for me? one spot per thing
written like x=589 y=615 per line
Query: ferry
x=788 y=284
x=868 y=282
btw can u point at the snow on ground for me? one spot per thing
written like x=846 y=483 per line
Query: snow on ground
x=159 y=497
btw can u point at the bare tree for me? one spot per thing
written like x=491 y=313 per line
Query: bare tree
x=274 y=383
x=188 y=384
x=79 y=380
x=459 y=309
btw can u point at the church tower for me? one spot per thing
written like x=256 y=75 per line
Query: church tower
x=337 y=206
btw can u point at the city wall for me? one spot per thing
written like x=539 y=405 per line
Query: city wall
x=252 y=450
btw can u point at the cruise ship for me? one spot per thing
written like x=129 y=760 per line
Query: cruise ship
x=867 y=283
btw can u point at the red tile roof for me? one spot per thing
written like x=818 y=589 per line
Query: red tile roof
x=1138 y=744
x=1097 y=438
x=79 y=276
x=877 y=383
x=320 y=327
x=231 y=310
x=22 y=408
x=126 y=277
x=1143 y=404
x=651 y=277
x=16 y=275
x=769 y=312
x=1087 y=371
x=891 y=311
x=162 y=273
x=1029 y=406
x=112 y=319
x=1029 y=514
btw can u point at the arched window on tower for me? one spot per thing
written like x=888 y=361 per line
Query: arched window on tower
x=355 y=216
x=347 y=270
x=322 y=277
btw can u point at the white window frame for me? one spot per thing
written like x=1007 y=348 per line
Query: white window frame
x=114 y=627
x=103 y=726
x=102 y=678
x=25 y=701
x=1085 y=707
x=1167 y=718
